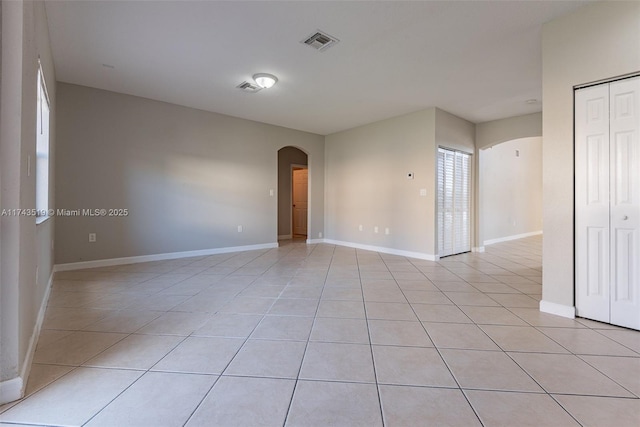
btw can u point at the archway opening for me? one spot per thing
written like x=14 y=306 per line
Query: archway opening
x=511 y=190
x=293 y=191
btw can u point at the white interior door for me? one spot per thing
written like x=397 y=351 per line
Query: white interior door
x=592 y=202
x=454 y=202
x=624 y=98
x=607 y=202
x=300 y=201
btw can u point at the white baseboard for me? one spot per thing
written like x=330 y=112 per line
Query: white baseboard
x=315 y=241
x=568 y=311
x=285 y=237
x=514 y=237
x=13 y=389
x=479 y=249
x=390 y=251
x=160 y=257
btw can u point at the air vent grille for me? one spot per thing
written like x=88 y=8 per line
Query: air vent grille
x=249 y=87
x=320 y=41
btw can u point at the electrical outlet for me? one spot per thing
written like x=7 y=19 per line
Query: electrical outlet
x=320 y=235
x=92 y=237
x=271 y=192
x=239 y=229
x=387 y=231
x=360 y=228
x=375 y=229
x=423 y=192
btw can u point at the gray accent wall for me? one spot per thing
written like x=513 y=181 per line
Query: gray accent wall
x=187 y=177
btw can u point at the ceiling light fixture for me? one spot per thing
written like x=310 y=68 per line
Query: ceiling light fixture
x=264 y=80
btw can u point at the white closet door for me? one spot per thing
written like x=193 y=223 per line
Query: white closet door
x=625 y=202
x=607 y=160
x=592 y=202
x=454 y=202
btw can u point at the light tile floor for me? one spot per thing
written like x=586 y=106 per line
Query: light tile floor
x=317 y=335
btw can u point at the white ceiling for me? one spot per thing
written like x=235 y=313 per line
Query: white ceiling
x=478 y=60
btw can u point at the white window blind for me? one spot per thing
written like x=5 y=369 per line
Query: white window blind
x=454 y=202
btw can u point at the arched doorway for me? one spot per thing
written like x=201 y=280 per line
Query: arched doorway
x=510 y=179
x=293 y=193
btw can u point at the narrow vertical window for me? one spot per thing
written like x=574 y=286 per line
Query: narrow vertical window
x=42 y=149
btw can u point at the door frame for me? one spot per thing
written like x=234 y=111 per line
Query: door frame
x=293 y=167
x=582 y=306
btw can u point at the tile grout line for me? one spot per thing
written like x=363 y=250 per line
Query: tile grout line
x=443 y=359
x=373 y=360
x=304 y=353
x=144 y=372
x=258 y=263
x=204 y=397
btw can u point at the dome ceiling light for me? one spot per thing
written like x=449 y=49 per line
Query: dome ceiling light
x=265 y=80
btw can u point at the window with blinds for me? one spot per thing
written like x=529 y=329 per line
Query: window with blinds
x=454 y=202
x=42 y=150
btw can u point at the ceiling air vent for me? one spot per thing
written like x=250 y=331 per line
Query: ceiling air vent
x=249 y=87
x=320 y=41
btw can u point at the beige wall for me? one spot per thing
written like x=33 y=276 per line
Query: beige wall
x=188 y=177
x=26 y=248
x=492 y=133
x=511 y=188
x=367 y=183
x=599 y=41
x=287 y=156
x=454 y=132
x=498 y=131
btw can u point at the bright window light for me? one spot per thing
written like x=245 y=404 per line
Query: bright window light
x=42 y=150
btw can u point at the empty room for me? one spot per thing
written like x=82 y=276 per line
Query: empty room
x=320 y=213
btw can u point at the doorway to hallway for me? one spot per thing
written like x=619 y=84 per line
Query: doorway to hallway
x=293 y=189
x=299 y=191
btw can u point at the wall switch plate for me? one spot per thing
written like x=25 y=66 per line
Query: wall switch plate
x=239 y=229
x=517 y=153
x=375 y=229
x=271 y=192
x=360 y=228
x=409 y=175
x=423 y=192
x=92 y=237
x=387 y=231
